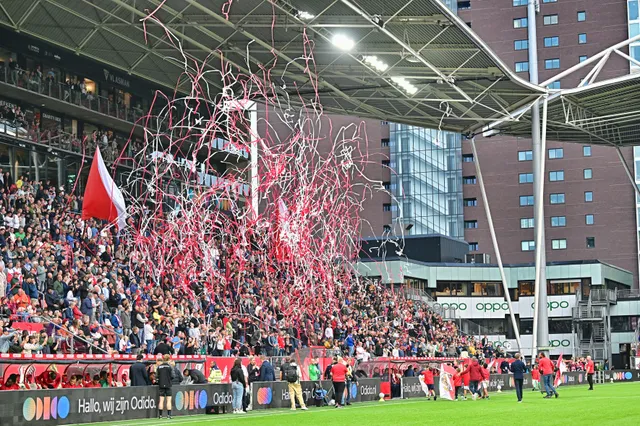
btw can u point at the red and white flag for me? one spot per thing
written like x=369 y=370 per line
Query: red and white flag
x=102 y=198
x=447 y=389
x=561 y=368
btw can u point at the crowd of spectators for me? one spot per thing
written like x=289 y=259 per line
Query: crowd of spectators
x=88 y=291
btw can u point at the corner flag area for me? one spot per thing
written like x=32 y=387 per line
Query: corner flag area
x=609 y=404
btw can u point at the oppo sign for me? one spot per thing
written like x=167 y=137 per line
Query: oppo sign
x=564 y=343
x=458 y=306
x=556 y=305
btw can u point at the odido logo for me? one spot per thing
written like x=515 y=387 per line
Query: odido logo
x=191 y=400
x=265 y=395
x=553 y=305
x=45 y=408
x=559 y=343
x=622 y=375
x=354 y=390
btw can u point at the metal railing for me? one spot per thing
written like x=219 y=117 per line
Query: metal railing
x=60 y=140
x=70 y=93
x=628 y=294
x=602 y=295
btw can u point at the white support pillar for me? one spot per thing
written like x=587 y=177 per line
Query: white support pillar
x=494 y=240
x=540 y=320
x=628 y=171
x=253 y=117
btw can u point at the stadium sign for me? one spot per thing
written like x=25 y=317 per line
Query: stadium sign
x=266 y=395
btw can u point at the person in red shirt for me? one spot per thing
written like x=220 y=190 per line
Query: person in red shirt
x=546 y=370
x=590 y=370
x=11 y=384
x=457 y=381
x=535 y=378
x=475 y=377
x=485 y=381
x=427 y=376
x=95 y=383
x=465 y=377
x=49 y=380
x=339 y=377
x=73 y=383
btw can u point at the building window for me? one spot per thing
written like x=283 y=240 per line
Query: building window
x=587 y=173
x=464 y=5
x=522 y=66
x=559 y=244
x=521 y=44
x=470 y=202
x=525 y=178
x=467 y=158
x=588 y=219
x=386 y=186
x=552 y=64
x=386 y=228
x=526 y=200
x=556 y=176
x=555 y=85
x=470 y=224
x=633 y=10
x=386 y=207
x=520 y=23
x=552 y=41
x=582 y=38
x=556 y=198
x=558 y=221
x=469 y=180
x=582 y=16
x=473 y=247
x=586 y=151
x=525 y=155
x=555 y=153
x=550 y=20
x=517 y=3
x=583 y=58
x=386 y=163
x=528 y=245
x=591 y=242
x=385 y=142
x=526 y=223
x=549 y=1
x=588 y=197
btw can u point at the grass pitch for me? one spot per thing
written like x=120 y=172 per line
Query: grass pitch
x=609 y=404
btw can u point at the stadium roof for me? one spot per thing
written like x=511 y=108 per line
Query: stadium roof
x=411 y=61
x=595 y=112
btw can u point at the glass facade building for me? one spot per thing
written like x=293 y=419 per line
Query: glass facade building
x=633 y=16
x=427 y=185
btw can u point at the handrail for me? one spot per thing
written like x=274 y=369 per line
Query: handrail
x=73 y=336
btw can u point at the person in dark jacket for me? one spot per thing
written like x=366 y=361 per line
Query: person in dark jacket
x=163 y=349
x=253 y=370
x=267 y=373
x=196 y=375
x=518 y=368
x=138 y=373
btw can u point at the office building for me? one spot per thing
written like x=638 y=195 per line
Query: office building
x=589 y=202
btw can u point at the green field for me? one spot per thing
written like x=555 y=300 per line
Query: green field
x=609 y=404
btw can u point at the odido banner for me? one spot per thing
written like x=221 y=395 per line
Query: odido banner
x=266 y=395
x=621 y=375
x=68 y=406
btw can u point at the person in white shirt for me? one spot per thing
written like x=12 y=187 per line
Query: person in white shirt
x=148 y=337
x=328 y=333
